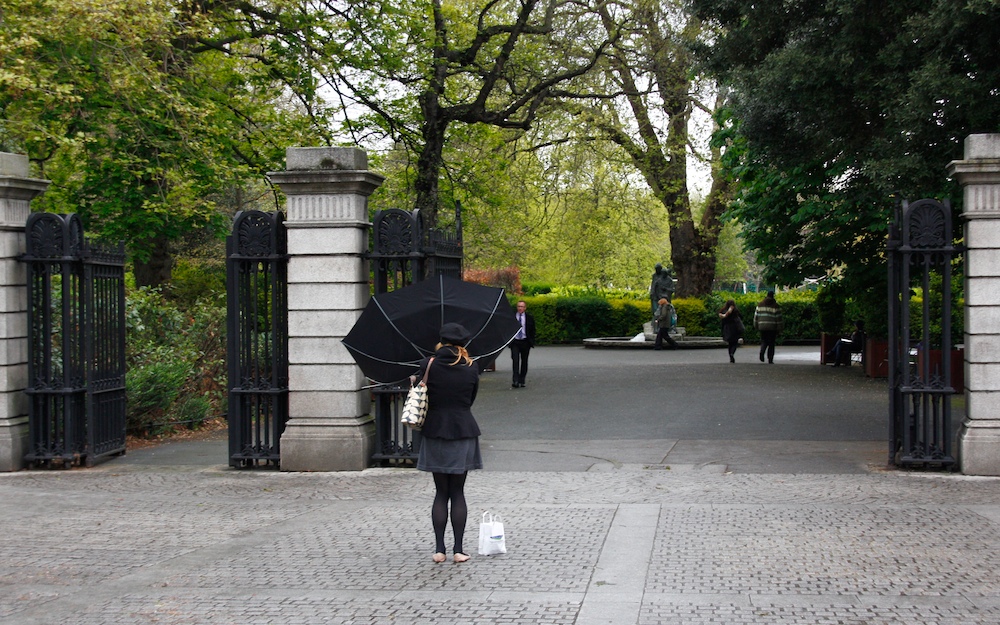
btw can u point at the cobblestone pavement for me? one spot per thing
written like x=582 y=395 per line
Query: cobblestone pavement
x=630 y=545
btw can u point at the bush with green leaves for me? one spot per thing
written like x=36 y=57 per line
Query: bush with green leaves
x=153 y=386
x=191 y=282
x=176 y=361
x=572 y=319
x=691 y=315
x=562 y=319
x=536 y=288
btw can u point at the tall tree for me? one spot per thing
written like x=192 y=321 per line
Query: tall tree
x=421 y=67
x=840 y=109
x=643 y=101
x=136 y=115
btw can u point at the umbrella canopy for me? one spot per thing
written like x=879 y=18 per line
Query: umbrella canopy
x=398 y=329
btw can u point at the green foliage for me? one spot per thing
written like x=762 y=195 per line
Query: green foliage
x=176 y=361
x=537 y=288
x=935 y=303
x=798 y=310
x=610 y=293
x=627 y=316
x=141 y=113
x=430 y=72
x=191 y=281
x=691 y=315
x=194 y=411
x=153 y=385
x=649 y=88
x=801 y=318
x=840 y=109
x=570 y=319
x=830 y=305
x=730 y=259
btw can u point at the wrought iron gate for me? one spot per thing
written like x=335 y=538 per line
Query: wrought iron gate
x=403 y=252
x=257 y=335
x=920 y=346
x=76 y=343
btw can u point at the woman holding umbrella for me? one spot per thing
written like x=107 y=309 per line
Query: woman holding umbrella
x=450 y=445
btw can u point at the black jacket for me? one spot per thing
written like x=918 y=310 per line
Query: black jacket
x=451 y=390
x=529 y=327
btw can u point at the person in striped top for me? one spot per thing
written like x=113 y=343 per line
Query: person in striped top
x=768 y=322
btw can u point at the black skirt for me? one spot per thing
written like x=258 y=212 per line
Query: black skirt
x=439 y=455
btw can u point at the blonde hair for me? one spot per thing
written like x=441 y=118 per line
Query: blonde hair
x=462 y=354
x=662 y=301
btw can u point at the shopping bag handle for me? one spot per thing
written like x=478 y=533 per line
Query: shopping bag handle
x=423 y=382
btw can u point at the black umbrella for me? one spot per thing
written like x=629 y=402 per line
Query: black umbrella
x=398 y=329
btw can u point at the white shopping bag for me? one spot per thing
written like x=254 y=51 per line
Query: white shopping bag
x=491 y=538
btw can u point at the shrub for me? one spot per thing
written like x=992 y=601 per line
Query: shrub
x=507 y=278
x=801 y=320
x=536 y=288
x=572 y=319
x=193 y=411
x=691 y=315
x=628 y=317
x=830 y=308
x=193 y=281
x=152 y=388
x=176 y=361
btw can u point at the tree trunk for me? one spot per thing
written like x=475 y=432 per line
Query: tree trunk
x=156 y=270
x=428 y=171
x=434 y=127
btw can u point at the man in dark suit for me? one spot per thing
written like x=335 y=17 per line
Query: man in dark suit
x=523 y=341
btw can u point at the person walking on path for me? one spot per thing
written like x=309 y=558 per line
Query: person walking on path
x=767 y=320
x=664 y=323
x=523 y=341
x=450 y=443
x=732 y=327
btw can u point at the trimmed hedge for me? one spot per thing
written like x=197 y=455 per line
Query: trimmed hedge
x=572 y=319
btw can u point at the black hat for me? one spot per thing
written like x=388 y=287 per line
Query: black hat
x=454 y=333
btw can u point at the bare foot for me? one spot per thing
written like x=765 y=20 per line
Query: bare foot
x=440 y=557
x=460 y=557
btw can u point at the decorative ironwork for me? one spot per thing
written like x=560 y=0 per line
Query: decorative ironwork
x=404 y=251
x=920 y=348
x=76 y=343
x=257 y=290
x=395 y=232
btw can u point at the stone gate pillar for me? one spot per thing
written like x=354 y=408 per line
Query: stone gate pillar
x=330 y=427
x=16 y=192
x=979 y=174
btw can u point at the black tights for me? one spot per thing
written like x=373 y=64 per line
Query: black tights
x=449 y=486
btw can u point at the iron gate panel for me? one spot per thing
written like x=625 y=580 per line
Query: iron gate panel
x=257 y=337
x=76 y=343
x=104 y=284
x=920 y=247
x=403 y=251
x=443 y=248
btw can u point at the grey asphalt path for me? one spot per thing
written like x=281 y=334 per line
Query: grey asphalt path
x=597 y=409
x=629 y=537
x=589 y=409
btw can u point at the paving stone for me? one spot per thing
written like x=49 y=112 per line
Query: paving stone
x=267 y=548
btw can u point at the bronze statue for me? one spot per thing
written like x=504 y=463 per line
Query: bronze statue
x=661 y=287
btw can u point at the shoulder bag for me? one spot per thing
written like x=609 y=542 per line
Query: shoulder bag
x=415 y=407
